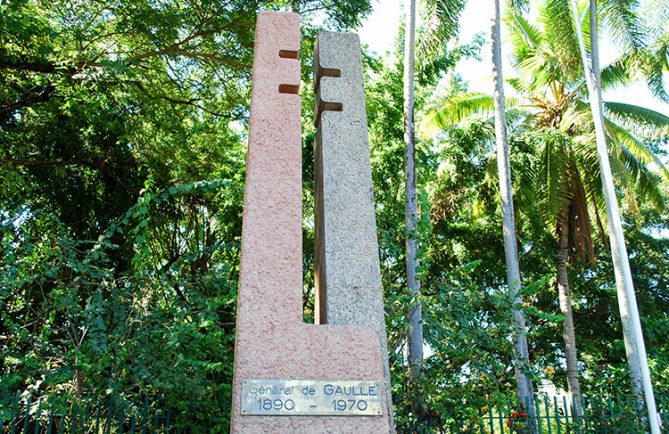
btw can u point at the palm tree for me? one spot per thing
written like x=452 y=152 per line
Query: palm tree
x=520 y=349
x=636 y=350
x=567 y=173
x=547 y=77
x=415 y=338
x=441 y=18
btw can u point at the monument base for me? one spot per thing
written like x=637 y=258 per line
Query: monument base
x=313 y=352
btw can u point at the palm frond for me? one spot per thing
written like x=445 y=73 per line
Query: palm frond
x=577 y=122
x=659 y=63
x=459 y=107
x=623 y=171
x=519 y=5
x=640 y=118
x=526 y=36
x=655 y=79
x=614 y=75
x=629 y=162
x=519 y=120
x=488 y=190
x=555 y=175
x=636 y=149
x=559 y=29
x=623 y=23
x=655 y=16
x=551 y=180
x=649 y=63
x=580 y=229
x=587 y=161
x=441 y=18
x=662 y=48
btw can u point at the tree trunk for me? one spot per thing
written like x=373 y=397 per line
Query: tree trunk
x=629 y=314
x=521 y=353
x=415 y=338
x=565 y=306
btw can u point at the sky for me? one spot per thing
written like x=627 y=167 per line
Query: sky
x=379 y=32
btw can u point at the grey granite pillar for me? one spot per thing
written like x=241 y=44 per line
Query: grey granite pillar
x=348 y=276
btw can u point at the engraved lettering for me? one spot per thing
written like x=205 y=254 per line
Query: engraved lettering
x=311 y=398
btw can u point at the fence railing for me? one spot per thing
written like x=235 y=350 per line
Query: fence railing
x=550 y=415
x=56 y=414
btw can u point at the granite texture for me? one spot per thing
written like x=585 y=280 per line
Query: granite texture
x=272 y=341
x=347 y=274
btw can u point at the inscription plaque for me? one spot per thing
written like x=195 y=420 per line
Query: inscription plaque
x=275 y=397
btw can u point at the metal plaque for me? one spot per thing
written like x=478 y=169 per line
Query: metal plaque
x=273 y=397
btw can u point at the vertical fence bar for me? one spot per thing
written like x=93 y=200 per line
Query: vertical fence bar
x=169 y=413
x=97 y=416
x=121 y=420
x=491 y=418
x=537 y=410
x=548 y=415
x=566 y=406
x=144 y=414
x=86 y=416
x=38 y=415
x=510 y=414
x=74 y=417
x=50 y=426
x=155 y=419
x=628 y=419
x=15 y=412
x=110 y=415
x=557 y=414
x=499 y=415
x=575 y=427
x=26 y=418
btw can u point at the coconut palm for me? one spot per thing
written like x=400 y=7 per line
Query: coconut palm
x=520 y=349
x=631 y=35
x=566 y=176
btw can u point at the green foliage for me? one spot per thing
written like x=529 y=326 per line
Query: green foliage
x=119 y=259
x=77 y=324
x=122 y=155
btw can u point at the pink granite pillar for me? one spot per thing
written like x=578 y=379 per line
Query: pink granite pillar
x=272 y=341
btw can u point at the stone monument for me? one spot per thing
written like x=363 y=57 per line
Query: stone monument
x=348 y=273
x=289 y=376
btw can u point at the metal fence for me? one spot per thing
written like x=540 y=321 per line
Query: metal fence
x=23 y=413
x=552 y=415
x=55 y=414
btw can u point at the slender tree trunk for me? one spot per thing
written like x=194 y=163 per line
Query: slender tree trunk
x=415 y=338
x=565 y=306
x=521 y=353
x=629 y=313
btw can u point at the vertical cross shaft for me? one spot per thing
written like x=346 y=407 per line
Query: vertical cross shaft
x=348 y=276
